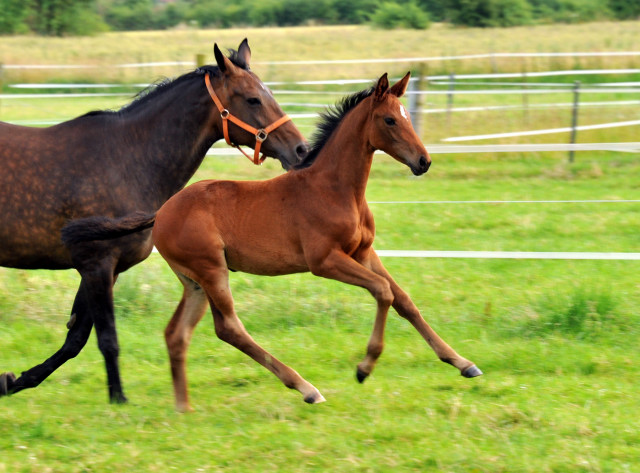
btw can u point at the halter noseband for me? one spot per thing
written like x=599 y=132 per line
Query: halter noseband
x=260 y=134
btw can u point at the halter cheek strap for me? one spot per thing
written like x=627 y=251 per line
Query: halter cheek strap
x=260 y=134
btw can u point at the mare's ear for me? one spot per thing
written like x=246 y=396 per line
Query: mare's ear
x=400 y=87
x=244 y=52
x=225 y=65
x=381 y=87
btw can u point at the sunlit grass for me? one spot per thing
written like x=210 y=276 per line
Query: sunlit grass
x=557 y=341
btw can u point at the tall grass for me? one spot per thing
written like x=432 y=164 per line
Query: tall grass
x=323 y=43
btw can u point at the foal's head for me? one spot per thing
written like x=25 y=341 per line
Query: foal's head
x=390 y=128
x=245 y=96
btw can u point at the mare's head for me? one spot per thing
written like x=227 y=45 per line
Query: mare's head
x=245 y=96
x=390 y=128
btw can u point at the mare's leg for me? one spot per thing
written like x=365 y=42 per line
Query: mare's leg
x=341 y=267
x=76 y=339
x=99 y=280
x=178 y=336
x=403 y=304
x=229 y=328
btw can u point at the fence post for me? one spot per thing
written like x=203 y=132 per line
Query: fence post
x=1 y=84
x=452 y=82
x=201 y=60
x=525 y=96
x=415 y=99
x=574 y=116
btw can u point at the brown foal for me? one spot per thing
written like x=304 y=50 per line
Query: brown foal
x=314 y=219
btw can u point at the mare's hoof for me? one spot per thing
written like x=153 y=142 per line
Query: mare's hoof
x=118 y=399
x=471 y=372
x=6 y=382
x=315 y=398
x=361 y=375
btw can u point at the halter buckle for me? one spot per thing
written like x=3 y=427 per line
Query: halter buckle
x=261 y=135
x=224 y=114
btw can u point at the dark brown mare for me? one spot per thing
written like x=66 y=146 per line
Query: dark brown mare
x=114 y=163
x=312 y=219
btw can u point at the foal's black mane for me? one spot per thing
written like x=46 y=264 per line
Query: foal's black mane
x=152 y=91
x=329 y=121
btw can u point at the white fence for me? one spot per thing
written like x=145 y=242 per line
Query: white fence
x=349 y=61
x=526 y=87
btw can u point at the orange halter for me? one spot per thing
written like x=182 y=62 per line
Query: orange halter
x=260 y=134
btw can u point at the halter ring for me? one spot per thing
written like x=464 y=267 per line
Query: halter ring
x=261 y=135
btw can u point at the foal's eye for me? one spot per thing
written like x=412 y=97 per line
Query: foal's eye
x=254 y=101
x=389 y=121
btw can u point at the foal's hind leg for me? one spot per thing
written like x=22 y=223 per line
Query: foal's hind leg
x=178 y=336
x=403 y=304
x=230 y=329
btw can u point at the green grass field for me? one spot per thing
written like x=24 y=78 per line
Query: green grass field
x=556 y=339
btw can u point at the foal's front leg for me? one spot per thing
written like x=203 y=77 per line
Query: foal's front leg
x=342 y=267
x=405 y=307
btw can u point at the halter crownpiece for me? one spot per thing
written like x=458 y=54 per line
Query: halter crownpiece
x=260 y=134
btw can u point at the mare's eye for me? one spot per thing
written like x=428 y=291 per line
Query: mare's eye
x=389 y=121
x=254 y=101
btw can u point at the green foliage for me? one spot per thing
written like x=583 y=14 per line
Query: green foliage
x=569 y=11
x=12 y=16
x=407 y=15
x=625 y=9
x=66 y=17
x=489 y=13
x=50 y=17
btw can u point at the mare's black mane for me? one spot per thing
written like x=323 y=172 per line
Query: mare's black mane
x=329 y=121
x=163 y=85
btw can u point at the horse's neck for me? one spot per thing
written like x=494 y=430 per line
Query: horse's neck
x=345 y=160
x=171 y=133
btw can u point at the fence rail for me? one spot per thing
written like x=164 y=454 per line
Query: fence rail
x=348 y=61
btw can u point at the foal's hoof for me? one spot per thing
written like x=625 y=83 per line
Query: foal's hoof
x=361 y=375
x=315 y=398
x=6 y=382
x=471 y=372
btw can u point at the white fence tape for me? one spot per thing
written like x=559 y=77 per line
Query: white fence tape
x=632 y=147
x=509 y=255
x=543 y=132
x=346 y=61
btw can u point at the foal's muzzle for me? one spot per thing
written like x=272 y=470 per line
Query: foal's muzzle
x=423 y=165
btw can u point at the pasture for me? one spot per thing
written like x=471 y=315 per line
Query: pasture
x=556 y=339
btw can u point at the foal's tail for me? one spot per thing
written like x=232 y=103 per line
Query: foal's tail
x=104 y=228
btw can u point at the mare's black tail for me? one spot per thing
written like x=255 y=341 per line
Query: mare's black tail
x=105 y=228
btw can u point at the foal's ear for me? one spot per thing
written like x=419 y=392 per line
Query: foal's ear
x=244 y=52
x=400 y=87
x=381 y=87
x=225 y=65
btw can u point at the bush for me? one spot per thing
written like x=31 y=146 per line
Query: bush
x=487 y=13
x=569 y=11
x=12 y=16
x=511 y=13
x=625 y=9
x=353 y=11
x=393 y=15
